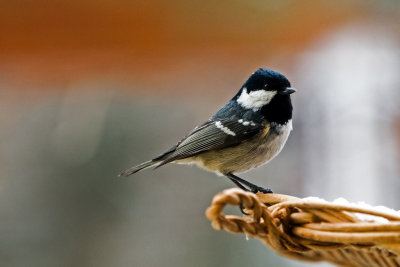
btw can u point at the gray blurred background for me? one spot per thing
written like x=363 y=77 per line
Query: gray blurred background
x=90 y=88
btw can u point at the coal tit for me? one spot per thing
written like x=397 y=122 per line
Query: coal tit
x=248 y=131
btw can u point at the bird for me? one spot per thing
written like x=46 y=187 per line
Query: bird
x=249 y=131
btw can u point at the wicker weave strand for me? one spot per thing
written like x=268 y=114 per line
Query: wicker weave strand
x=310 y=231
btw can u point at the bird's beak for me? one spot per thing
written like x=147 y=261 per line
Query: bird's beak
x=287 y=91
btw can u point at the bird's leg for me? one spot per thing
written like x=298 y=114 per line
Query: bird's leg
x=237 y=183
x=241 y=187
x=241 y=183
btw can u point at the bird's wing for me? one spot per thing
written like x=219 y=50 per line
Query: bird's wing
x=214 y=134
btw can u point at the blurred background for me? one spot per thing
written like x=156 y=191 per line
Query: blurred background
x=89 y=88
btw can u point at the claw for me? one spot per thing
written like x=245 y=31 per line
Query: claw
x=242 y=210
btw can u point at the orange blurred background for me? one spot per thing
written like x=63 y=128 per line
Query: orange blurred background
x=89 y=88
x=47 y=43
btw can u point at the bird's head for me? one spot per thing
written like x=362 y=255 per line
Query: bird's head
x=261 y=88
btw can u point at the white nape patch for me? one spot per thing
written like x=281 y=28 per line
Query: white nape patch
x=255 y=99
x=223 y=128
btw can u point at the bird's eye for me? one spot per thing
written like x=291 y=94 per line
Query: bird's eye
x=266 y=85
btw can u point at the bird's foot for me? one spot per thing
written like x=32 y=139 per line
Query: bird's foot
x=247 y=186
x=260 y=189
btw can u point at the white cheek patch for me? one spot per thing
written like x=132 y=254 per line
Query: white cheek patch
x=255 y=99
x=223 y=128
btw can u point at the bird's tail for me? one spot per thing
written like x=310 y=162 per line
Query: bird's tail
x=139 y=167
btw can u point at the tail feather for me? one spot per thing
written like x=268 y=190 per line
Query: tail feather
x=139 y=167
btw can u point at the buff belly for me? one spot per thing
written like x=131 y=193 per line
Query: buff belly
x=248 y=155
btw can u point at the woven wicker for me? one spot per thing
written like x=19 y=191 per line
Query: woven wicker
x=311 y=230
